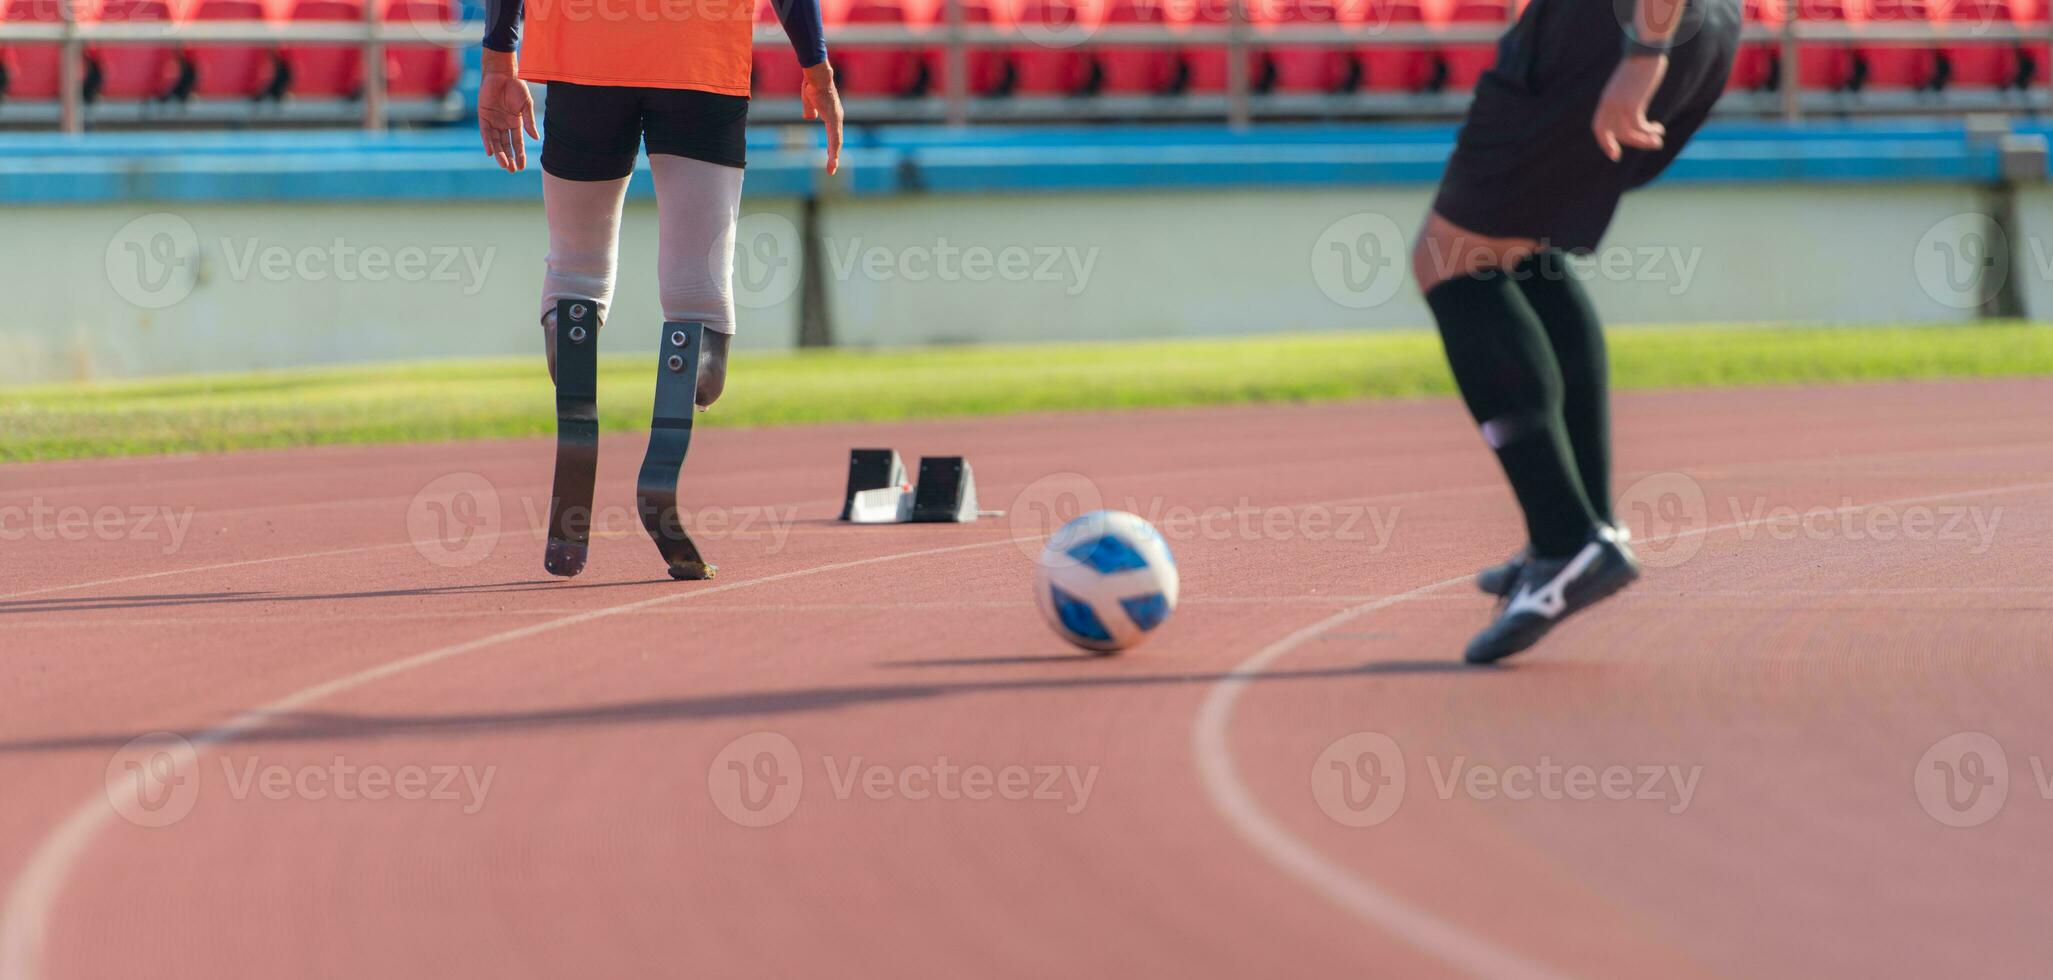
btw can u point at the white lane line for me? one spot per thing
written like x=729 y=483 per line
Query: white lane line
x=42 y=878
x=1212 y=754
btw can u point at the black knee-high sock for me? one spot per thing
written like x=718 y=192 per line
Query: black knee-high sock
x=1577 y=336
x=1508 y=376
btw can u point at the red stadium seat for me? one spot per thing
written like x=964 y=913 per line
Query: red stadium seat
x=1392 y=68
x=1052 y=61
x=1468 y=62
x=32 y=69
x=2033 y=15
x=420 y=70
x=991 y=71
x=1137 y=70
x=324 y=71
x=1898 y=66
x=897 y=71
x=228 y=71
x=1205 y=64
x=1293 y=68
x=1827 y=67
x=1758 y=65
x=134 y=72
x=776 y=69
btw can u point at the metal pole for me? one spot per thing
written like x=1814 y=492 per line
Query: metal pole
x=71 y=71
x=374 y=68
x=1792 y=96
x=1238 y=109
x=955 y=68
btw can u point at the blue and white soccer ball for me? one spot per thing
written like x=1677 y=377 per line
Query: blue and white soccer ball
x=1106 y=580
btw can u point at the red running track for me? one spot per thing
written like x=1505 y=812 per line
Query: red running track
x=408 y=754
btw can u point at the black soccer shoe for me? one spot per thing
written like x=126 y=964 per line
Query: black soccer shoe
x=1499 y=580
x=1550 y=590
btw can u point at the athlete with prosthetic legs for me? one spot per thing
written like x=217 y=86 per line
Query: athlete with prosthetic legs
x=677 y=79
x=1585 y=102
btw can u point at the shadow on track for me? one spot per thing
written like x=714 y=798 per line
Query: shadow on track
x=324 y=726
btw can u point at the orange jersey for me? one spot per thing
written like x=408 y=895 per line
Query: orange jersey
x=690 y=44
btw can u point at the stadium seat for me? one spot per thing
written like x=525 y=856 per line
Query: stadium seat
x=1392 y=68
x=32 y=69
x=324 y=71
x=895 y=71
x=1758 y=65
x=1467 y=62
x=420 y=71
x=128 y=71
x=776 y=71
x=1205 y=64
x=1137 y=70
x=231 y=71
x=1898 y=66
x=1295 y=68
x=1828 y=67
x=1052 y=61
x=2033 y=14
x=991 y=70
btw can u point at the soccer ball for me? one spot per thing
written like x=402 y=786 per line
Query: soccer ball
x=1106 y=580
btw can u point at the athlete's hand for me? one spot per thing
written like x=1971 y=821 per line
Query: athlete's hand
x=1621 y=118
x=505 y=109
x=822 y=102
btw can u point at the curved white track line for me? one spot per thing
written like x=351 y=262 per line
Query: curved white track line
x=1212 y=754
x=42 y=878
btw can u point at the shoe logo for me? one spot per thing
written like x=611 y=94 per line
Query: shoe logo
x=1550 y=599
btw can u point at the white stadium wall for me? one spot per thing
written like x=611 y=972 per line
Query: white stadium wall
x=132 y=290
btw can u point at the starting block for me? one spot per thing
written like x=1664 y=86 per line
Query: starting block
x=880 y=493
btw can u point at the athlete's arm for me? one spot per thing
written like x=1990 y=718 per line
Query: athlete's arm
x=505 y=108
x=801 y=20
x=802 y=24
x=1621 y=118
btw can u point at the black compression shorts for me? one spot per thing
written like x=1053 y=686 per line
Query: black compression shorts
x=1526 y=165
x=592 y=132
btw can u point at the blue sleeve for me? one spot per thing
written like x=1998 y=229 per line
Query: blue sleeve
x=801 y=19
x=502 y=24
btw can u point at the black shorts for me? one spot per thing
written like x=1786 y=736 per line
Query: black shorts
x=592 y=132
x=1526 y=165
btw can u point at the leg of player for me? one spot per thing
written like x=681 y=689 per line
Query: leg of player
x=1577 y=338
x=677 y=383
x=584 y=226
x=1511 y=382
x=584 y=247
x=697 y=203
x=576 y=369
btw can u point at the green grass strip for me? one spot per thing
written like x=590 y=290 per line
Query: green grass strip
x=468 y=399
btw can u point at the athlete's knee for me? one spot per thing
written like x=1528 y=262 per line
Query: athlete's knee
x=1445 y=251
